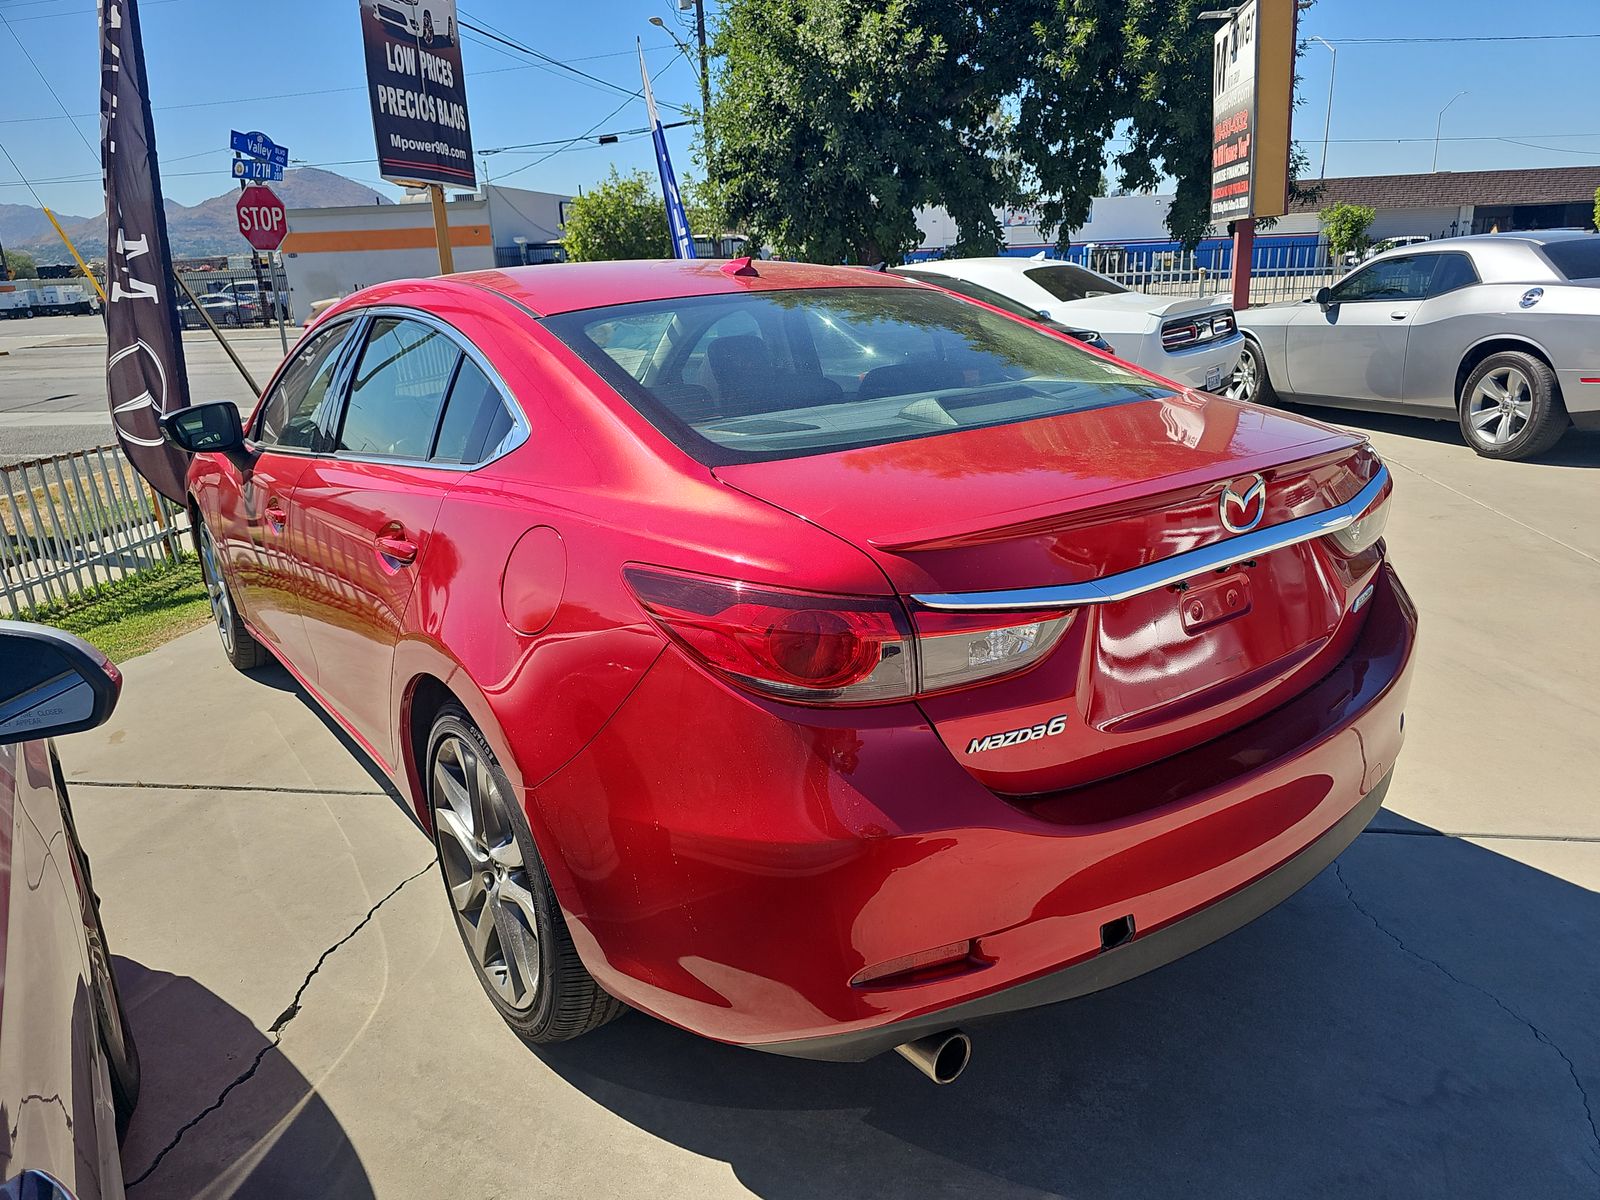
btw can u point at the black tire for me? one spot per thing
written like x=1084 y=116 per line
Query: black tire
x=427 y=29
x=1510 y=407
x=1250 y=381
x=238 y=643
x=565 y=1002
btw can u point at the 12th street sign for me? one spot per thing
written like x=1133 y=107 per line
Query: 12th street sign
x=256 y=144
x=262 y=218
x=246 y=168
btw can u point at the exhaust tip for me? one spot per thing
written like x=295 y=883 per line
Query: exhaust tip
x=940 y=1056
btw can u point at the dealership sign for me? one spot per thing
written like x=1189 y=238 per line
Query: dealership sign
x=1252 y=95
x=418 y=92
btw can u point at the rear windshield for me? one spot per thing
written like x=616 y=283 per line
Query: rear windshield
x=1067 y=282
x=767 y=375
x=972 y=291
x=1577 y=259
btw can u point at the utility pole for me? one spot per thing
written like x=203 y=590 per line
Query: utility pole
x=705 y=65
x=1439 y=129
x=1327 y=123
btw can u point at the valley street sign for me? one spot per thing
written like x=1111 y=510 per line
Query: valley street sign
x=262 y=218
x=258 y=145
x=247 y=168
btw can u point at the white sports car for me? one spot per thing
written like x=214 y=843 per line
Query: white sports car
x=1195 y=342
x=431 y=22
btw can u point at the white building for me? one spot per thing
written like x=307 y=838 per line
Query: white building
x=331 y=252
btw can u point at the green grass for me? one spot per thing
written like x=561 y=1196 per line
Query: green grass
x=135 y=614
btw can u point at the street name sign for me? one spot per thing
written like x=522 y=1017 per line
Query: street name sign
x=256 y=144
x=249 y=168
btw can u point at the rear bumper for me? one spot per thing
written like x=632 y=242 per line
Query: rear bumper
x=1191 y=367
x=1582 y=399
x=732 y=867
x=1128 y=961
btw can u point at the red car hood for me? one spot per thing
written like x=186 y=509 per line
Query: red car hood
x=924 y=508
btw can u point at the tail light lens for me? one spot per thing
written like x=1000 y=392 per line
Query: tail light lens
x=956 y=650
x=1364 y=533
x=1187 y=332
x=824 y=649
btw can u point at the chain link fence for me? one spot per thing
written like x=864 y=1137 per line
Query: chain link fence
x=74 y=521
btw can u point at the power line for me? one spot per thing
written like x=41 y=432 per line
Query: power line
x=1412 y=41
x=93 y=153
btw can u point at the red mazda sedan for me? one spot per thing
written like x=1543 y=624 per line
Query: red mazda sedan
x=808 y=657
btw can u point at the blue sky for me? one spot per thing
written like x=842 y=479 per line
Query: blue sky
x=215 y=65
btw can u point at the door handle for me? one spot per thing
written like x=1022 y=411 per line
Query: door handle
x=394 y=545
x=1400 y=314
x=277 y=516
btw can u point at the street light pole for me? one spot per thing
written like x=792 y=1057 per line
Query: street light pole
x=704 y=66
x=1439 y=129
x=1327 y=124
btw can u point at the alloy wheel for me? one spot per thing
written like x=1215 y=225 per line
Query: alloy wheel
x=485 y=871
x=1501 y=406
x=1246 y=380
x=216 y=590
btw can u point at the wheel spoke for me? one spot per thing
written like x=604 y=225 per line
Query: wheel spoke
x=454 y=793
x=514 y=893
x=481 y=932
x=1483 y=417
x=1492 y=389
x=468 y=892
x=507 y=853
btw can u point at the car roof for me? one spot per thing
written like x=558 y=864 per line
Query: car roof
x=552 y=288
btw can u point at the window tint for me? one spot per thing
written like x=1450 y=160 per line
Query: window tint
x=1404 y=278
x=296 y=413
x=633 y=339
x=814 y=370
x=398 y=390
x=475 y=419
x=1450 y=272
x=1067 y=282
x=1576 y=259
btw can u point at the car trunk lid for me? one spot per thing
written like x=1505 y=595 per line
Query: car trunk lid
x=1081 y=497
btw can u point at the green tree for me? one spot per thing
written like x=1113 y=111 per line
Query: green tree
x=835 y=120
x=1346 y=227
x=1597 y=208
x=22 y=264
x=623 y=217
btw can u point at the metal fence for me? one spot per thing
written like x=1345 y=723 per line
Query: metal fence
x=1280 y=273
x=74 y=521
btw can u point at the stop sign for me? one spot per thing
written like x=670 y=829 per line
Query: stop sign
x=262 y=218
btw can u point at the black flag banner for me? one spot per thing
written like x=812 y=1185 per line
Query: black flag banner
x=145 y=375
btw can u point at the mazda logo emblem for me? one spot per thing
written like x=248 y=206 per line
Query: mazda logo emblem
x=1243 y=504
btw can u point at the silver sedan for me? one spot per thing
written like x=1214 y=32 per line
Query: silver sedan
x=1500 y=332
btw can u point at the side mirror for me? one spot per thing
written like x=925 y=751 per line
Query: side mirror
x=1323 y=297
x=51 y=683
x=205 y=428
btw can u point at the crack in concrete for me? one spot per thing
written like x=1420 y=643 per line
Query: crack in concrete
x=275 y=1032
x=227 y=787
x=1539 y=1034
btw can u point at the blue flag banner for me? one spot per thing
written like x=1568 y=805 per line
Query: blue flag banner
x=677 y=219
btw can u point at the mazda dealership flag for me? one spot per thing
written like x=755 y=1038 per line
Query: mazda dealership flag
x=145 y=376
x=677 y=219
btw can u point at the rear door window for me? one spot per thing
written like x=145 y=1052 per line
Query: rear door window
x=476 y=421
x=397 y=393
x=299 y=409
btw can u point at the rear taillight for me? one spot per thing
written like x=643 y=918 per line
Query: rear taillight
x=826 y=649
x=1363 y=533
x=1188 y=332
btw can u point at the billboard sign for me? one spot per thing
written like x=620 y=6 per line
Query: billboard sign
x=418 y=92
x=1252 y=97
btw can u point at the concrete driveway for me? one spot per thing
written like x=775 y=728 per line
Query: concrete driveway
x=1420 y=1021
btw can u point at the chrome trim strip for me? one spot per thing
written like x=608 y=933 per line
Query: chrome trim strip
x=1178 y=567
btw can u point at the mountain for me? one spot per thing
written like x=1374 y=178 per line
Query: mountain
x=209 y=227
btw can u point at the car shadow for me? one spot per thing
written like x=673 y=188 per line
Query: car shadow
x=272 y=1136
x=274 y=675
x=1419 y=1021
x=1580 y=448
